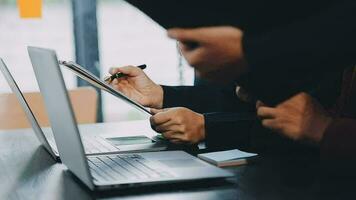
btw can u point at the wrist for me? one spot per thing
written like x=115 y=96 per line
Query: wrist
x=242 y=58
x=240 y=62
x=158 y=97
x=201 y=124
x=324 y=123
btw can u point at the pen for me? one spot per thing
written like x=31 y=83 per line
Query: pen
x=120 y=74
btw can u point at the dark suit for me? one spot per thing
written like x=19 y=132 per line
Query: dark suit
x=293 y=46
x=305 y=50
x=338 y=145
x=290 y=46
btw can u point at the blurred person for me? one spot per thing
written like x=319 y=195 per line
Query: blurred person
x=302 y=118
x=295 y=53
x=272 y=65
x=272 y=74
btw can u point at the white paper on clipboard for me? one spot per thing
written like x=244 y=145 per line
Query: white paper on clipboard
x=96 y=82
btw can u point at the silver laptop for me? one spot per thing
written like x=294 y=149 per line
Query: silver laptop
x=111 y=170
x=93 y=144
x=30 y=116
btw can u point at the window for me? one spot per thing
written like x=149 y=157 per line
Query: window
x=129 y=37
x=53 y=30
x=126 y=36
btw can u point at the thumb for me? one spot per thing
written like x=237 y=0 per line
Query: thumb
x=155 y=111
x=259 y=104
x=185 y=35
x=128 y=70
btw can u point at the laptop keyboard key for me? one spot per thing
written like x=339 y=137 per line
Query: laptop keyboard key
x=114 y=168
x=98 y=173
x=130 y=168
x=121 y=167
x=97 y=145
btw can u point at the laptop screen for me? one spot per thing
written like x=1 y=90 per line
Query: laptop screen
x=28 y=112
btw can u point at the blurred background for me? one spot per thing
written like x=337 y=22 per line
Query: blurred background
x=125 y=37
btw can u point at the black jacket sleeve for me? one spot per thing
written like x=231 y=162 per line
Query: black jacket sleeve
x=300 y=55
x=227 y=119
x=338 y=145
x=203 y=99
x=228 y=130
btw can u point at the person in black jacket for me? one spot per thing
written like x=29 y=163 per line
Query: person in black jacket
x=269 y=80
x=296 y=54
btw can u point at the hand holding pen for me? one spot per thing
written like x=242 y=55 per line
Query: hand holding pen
x=137 y=86
x=121 y=75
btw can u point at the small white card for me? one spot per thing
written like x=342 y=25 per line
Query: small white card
x=227 y=158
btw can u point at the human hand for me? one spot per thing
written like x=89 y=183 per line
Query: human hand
x=216 y=53
x=299 y=118
x=137 y=86
x=179 y=125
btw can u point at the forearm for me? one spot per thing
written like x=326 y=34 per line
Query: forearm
x=339 y=141
x=203 y=99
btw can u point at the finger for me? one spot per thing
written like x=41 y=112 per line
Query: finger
x=114 y=82
x=160 y=118
x=186 y=35
x=155 y=111
x=259 y=104
x=119 y=81
x=266 y=112
x=271 y=124
x=128 y=70
x=194 y=57
x=169 y=126
x=107 y=79
x=183 y=46
x=122 y=88
x=176 y=141
x=171 y=135
x=188 y=46
x=181 y=138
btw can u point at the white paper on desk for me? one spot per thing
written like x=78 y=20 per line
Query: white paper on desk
x=220 y=157
x=97 y=82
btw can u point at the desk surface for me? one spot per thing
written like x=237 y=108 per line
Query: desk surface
x=28 y=172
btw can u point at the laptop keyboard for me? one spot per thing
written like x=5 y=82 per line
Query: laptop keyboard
x=92 y=145
x=97 y=145
x=124 y=167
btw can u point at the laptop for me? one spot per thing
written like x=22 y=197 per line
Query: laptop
x=114 y=170
x=93 y=144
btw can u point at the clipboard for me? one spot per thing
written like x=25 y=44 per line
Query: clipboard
x=97 y=82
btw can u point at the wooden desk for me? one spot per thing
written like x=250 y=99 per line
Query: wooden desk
x=28 y=172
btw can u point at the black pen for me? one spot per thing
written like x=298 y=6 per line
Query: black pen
x=120 y=74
